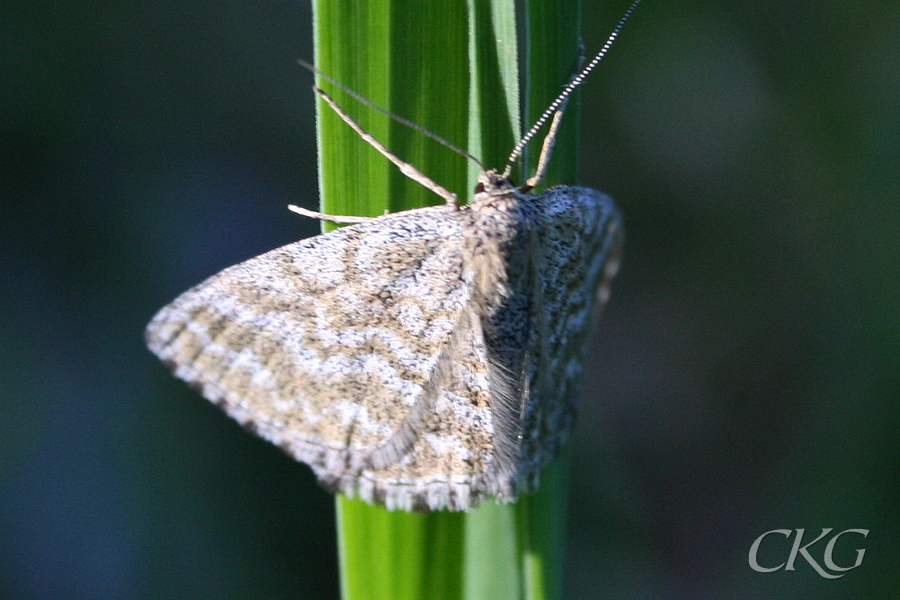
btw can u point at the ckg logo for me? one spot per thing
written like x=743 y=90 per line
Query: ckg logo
x=827 y=555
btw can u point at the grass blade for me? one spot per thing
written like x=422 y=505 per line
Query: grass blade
x=452 y=66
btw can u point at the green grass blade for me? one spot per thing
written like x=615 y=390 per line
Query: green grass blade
x=552 y=51
x=494 y=99
x=410 y=58
x=552 y=47
x=517 y=551
x=452 y=67
x=413 y=62
x=399 y=555
x=493 y=560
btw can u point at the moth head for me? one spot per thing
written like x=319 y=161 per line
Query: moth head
x=491 y=182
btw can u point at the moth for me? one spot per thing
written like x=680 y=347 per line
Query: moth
x=422 y=360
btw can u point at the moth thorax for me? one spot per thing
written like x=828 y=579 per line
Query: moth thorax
x=495 y=242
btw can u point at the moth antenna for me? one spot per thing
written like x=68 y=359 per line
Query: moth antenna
x=558 y=106
x=366 y=102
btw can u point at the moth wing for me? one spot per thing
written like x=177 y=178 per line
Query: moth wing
x=445 y=453
x=582 y=239
x=573 y=253
x=581 y=242
x=326 y=346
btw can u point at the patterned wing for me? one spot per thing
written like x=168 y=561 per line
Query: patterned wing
x=352 y=350
x=580 y=242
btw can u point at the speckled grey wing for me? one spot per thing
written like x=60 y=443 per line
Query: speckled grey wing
x=355 y=352
x=581 y=240
x=575 y=254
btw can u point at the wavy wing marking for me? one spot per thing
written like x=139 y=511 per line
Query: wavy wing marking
x=324 y=346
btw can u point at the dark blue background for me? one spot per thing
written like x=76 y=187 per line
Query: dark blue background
x=746 y=377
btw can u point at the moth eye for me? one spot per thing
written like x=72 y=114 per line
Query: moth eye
x=479 y=187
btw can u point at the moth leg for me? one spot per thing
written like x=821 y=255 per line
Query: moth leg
x=405 y=168
x=546 y=150
x=340 y=219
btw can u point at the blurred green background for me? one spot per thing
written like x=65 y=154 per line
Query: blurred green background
x=747 y=373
